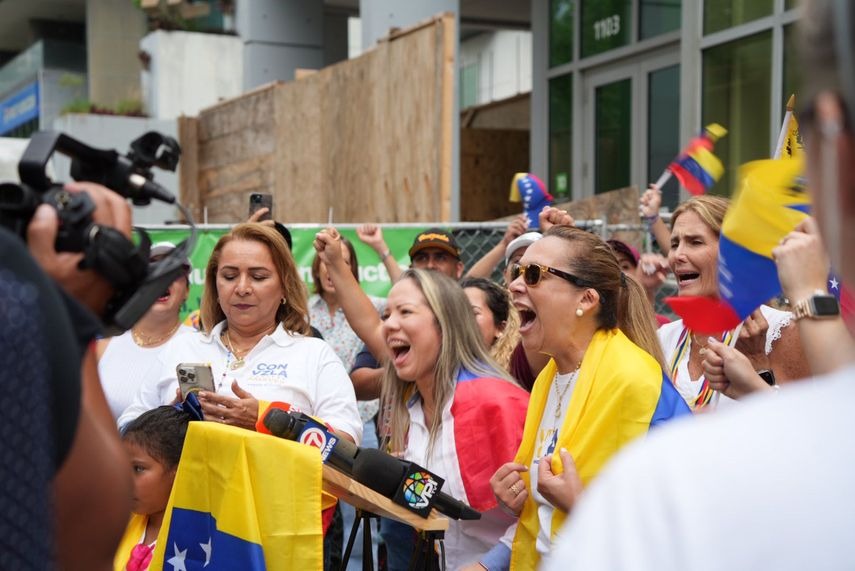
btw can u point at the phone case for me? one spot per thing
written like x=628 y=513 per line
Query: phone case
x=194 y=377
x=258 y=201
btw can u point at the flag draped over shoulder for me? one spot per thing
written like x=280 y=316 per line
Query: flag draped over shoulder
x=770 y=202
x=697 y=168
x=531 y=191
x=242 y=500
x=489 y=415
x=620 y=394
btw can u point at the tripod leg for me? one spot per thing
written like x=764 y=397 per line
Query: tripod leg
x=351 y=540
x=367 y=553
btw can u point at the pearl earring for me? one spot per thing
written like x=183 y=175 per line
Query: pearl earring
x=283 y=301
x=579 y=312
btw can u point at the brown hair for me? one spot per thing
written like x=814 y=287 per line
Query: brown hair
x=623 y=303
x=294 y=313
x=710 y=208
x=316 y=266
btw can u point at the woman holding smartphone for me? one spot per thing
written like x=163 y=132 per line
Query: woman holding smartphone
x=256 y=338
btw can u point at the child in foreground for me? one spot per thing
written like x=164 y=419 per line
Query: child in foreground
x=153 y=441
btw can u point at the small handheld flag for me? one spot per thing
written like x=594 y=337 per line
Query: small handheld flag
x=531 y=191
x=697 y=168
x=789 y=144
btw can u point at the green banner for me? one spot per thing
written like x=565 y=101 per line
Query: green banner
x=372 y=274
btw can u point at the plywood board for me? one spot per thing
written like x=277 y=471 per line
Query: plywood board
x=489 y=159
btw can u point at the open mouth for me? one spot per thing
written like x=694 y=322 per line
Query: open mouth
x=164 y=297
x=399 y=350
x=527 y=318
x=686 y=278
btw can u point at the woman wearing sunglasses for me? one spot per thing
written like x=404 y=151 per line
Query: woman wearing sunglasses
x=603 y=386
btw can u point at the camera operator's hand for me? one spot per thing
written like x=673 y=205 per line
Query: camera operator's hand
x=87 y=286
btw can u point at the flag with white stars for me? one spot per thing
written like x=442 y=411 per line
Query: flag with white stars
x=242 y=500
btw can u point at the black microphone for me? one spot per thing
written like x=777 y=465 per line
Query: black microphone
x=407 y=484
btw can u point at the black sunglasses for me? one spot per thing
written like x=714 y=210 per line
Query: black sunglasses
x=533 y=273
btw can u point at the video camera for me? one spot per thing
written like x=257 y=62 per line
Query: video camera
x=136 y=283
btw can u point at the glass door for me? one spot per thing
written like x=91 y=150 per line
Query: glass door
x=631 y=124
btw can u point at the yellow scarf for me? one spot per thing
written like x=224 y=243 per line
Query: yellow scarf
x=613 y=402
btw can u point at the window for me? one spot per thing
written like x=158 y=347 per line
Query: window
x=560 y=32
x=560 y=136
x=792 y=68
x=613 y=135
x=663 y=128
x=469 y=75
x=658 y=17
x=722 y=14
x=737 y=81
x=605 y=25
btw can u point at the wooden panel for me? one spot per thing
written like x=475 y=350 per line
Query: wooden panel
x=188 y=166
x=489 y=159
x=369 y=137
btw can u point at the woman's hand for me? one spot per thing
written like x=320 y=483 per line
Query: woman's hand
x=560 y=490
x=729 y=371
x=752 y=340
x=372 y=235
x=516 y=228
x=328 y=246
x=551 y=216
x=509 y=488
x=802 y=262
x=651 y=272
x=650 y=202
x=241 y=411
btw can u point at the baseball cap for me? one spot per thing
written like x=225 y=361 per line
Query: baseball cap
x=162 y=249
x=621 y=247
x=435 y=238
x=521 y=241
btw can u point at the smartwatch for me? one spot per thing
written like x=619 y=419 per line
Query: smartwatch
x=820 y=305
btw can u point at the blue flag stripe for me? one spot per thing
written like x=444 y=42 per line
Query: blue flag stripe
x=195 y=541
x=670 y=404
x=746 y=279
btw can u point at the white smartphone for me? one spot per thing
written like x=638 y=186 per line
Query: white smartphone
x=194 y=377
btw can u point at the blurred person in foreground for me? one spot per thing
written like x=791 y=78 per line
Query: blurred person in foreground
x=770 y=482
x=66 y=488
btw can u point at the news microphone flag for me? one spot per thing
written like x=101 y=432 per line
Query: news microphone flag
x=531 y=191
x=697 y=168
x=242 y=500
x=770 y=203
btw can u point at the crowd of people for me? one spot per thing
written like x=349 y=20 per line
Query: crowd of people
x=530 y=398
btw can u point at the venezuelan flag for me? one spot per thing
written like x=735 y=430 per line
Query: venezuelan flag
x=770 y=203
x=531 y=191
x=242 y=500
x=697 y=168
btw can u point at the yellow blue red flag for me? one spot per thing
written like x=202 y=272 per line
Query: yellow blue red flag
x=697 y=168
x=770 y=203
x=242 y=500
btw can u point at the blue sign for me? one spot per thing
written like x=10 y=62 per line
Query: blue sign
x=19 y=108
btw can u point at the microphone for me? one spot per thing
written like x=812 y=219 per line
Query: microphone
x=283 y=421
x=407 y=484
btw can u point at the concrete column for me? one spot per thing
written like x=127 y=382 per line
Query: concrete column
x=114 y=29
x=378 y=16
x=279 y=36
x=539 y=134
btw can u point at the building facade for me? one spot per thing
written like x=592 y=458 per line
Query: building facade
x=620 y=85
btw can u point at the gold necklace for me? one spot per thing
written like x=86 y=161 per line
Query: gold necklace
x=560 y=395
x=144 y=341
x=239 y=360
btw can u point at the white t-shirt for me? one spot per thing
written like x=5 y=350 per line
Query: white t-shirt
x=767 y=485
x=465 y=541
x=302 y=371
x=669 y=337
x=124 y=365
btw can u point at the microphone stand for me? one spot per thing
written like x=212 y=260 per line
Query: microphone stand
x=370 y=504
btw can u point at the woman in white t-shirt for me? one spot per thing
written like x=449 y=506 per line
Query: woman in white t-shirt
x=767 y=336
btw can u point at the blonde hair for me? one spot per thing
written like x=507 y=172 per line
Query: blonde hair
x=461 y=347
x=709 y=208
x=623 y=303
x=294 y=313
